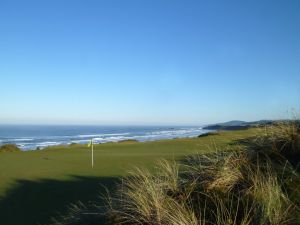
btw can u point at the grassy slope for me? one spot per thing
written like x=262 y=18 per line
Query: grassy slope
x=37 y=184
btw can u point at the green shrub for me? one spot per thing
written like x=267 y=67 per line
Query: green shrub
x=9 y=148
x=207 y=134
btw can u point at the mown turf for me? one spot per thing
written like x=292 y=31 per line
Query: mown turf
x=36 y=185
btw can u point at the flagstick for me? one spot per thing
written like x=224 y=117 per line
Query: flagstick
x=92 y=154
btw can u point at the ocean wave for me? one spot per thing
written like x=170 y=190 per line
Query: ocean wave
x=99 y=140
x=110 y=139
x=21 y=145
x=85 y=141
x=176 y=132
x=149 y=136
x=142 y=135
x=20 y=139
x=100 y=135
x=48 y=143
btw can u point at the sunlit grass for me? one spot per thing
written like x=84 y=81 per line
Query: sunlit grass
x=245 y=185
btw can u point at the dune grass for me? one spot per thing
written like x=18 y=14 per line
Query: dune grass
x=253 y=183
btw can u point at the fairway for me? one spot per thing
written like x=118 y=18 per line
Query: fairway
x=37 y=185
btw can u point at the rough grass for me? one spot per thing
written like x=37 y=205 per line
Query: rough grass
x=246 y=185
x=250 y=196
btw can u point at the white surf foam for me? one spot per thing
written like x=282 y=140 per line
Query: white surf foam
x=20 y=139
x=100 y=135
x=48 y=143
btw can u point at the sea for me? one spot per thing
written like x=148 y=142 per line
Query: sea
x=32 y=137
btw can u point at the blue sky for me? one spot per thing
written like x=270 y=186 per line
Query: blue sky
x=147 y=61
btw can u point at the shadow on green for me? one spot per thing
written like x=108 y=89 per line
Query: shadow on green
x=35 y=202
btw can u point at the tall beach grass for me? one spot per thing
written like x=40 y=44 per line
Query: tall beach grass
x=255 y=181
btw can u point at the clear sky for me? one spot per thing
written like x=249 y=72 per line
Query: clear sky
x=148 y=61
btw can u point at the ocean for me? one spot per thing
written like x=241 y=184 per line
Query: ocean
x=36 y=136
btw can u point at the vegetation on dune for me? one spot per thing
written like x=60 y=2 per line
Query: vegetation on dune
x=207 y=134
x=256 y=181
x=9 y=148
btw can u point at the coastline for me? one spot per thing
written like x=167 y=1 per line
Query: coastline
x=127 y=141
x=128 y=134
x=36 y=138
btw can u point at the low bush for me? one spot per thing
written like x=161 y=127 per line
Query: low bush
x=207 y=134
x=9 y=148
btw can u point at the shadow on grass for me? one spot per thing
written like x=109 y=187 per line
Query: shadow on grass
x=35 y=202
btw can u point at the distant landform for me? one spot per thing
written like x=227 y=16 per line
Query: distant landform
x=237 y=125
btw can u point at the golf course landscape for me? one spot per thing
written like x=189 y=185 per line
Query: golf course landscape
x=38 y=185
x=149 y=112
